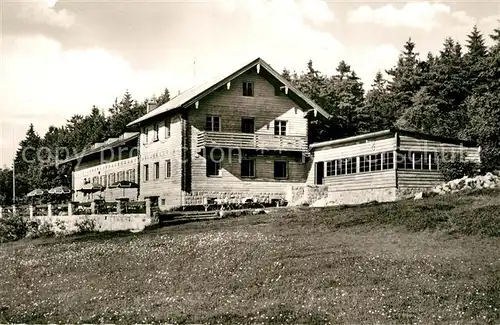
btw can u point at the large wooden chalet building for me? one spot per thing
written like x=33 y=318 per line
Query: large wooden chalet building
x=240 y=135
x=244 y=136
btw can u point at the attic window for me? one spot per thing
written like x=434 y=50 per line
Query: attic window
x=247 y=88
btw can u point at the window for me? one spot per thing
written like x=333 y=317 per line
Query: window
x=94 y=179
x=247 y=88
x=280 y=169
x=213 y=124
x=157 y=170
x=162 y=201
x=146 y=173
x=388 y=160
x=247 y=168
x=279 y=127
x=168 y=168
x=330 y=168
x=419 y=160
x=340 y=166
x=112 y=178
x=166 y=129
x=405 y=160
x=364 y=164
x=213 y=167
x=351 y=165
x=132 y=175
x=155 y=132
x=409 y=160
x=433 y=160
x=247 y=125
x=146 y=135
x=104 y=181
x=376 y=162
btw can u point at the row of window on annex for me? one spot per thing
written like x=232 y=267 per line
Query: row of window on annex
x=109 y=179
x=382 y=161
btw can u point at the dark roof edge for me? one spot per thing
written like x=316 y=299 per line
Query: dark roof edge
x=89 y=152
x=392 y=131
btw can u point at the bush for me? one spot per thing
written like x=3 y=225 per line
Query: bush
x=85 y=226
x=456 y=166
x=12 y=227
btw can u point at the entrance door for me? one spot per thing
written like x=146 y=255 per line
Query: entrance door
x=320 y=172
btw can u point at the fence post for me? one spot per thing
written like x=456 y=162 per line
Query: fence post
x=49 y=210
x=13 y=210
x=92 y=207
x=70 y=209
x=1 y=212
x=148 y=207
x=119 y=207
x=31 y=211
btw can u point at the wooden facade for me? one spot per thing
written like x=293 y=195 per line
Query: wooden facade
x=106 y=163
x=390 y=159
x=245 y=137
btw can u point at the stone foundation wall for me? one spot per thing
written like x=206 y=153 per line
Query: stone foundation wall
x=409 y=192
x=201 y=197
x=362 y=196
x=67 y=224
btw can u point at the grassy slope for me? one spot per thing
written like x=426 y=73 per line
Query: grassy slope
x=384 y=263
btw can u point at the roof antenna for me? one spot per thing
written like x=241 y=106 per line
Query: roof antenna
x=194 y=69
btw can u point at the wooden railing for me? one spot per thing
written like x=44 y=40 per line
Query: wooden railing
x=252 y=141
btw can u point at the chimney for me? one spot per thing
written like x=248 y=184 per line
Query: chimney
x=151 y=106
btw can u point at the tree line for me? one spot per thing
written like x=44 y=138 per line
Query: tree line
x=452 y=93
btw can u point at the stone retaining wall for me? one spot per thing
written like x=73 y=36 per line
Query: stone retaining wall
x=112 y=222
x=362 y=196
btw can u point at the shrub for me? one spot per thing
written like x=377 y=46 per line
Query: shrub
x=38 y=229
x=456 y=166
x=12 y=227
x=85 y=226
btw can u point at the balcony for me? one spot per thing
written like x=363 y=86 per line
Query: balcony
x=252 y=141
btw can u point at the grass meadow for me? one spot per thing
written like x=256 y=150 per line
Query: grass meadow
x=415 y=262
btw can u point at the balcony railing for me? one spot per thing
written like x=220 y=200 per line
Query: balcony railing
x=252 y=141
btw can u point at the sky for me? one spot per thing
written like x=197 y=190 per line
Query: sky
x=59 y=58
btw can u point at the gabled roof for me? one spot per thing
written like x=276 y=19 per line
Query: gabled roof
x=126 y=137
x=194 y=94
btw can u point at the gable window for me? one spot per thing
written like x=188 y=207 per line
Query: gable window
x=146 y=135
x=213 y=124
x=213 y=167
x=247 y=88
x=247 y=168
x=146 y=173
x=168 y=168
x=280 y=169
x=166 y=129
x=157 y=170
x=279 y=127
x=155 y=132
x=247 y=125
